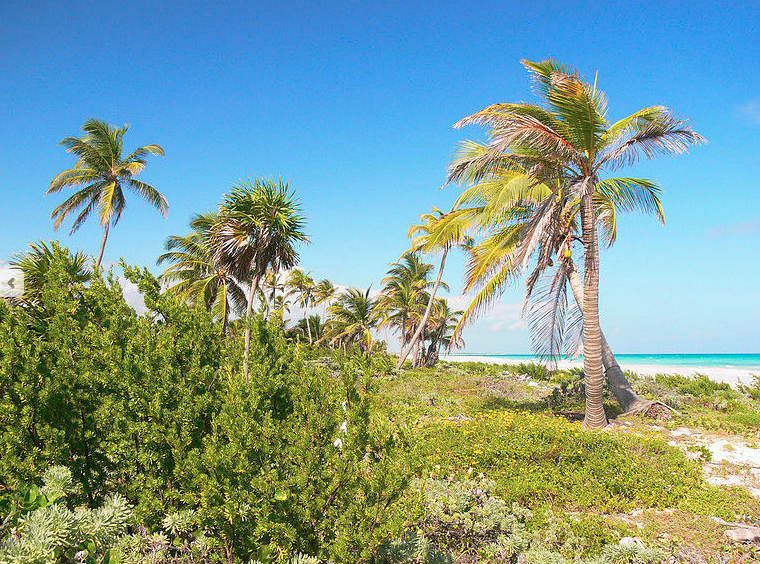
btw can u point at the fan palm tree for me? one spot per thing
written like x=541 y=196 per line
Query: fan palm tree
x=570 y=139
x=104 y=172
x=197 y=276
x=354 y=315
x=301 y=284
x=35 y=265
x=436 y=233
x=260 y=223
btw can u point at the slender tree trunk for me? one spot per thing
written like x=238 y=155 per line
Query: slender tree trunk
x=425 y=317
x=103 y=243
x=620 y=385
x=595 y=417
x=308 y=325
x=248 y=311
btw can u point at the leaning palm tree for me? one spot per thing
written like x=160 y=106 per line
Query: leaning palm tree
x=104 y=172
x=301 y=285
x=197 y=276
x=500 y=202
x=353 y=317
x=436 y=233
x=260 y=223
x=569 y=138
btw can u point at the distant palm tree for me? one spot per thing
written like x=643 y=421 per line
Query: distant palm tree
x=324 y=292
x=439 y=330
x=260 y=223
x=436 y=233
x=301 y=284
x=197 y=275
x=354 y=316
x=404 y=294
x=315 y=328
x=569 y=137
x=104 y=172
x=270 y=284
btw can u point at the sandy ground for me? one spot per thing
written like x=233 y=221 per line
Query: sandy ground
x=719 y=374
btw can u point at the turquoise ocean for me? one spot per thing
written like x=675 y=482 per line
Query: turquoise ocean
x=749 y=362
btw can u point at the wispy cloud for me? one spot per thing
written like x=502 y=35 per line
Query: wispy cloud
x=500 y=316
x=740 y=228
x=751 y=110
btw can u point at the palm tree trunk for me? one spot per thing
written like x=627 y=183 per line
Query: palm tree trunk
x=103 y=243
x=248 y=311
x=428 y=309
x=595 y=418
x=621 y=387
x=308 y=325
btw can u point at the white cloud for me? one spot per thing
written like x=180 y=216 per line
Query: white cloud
x=132 y=295
x=740 y=228
x=751 y=110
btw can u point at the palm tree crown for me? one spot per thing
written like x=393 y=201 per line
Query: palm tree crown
x=104 y=172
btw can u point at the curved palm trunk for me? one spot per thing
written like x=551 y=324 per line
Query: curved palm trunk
x=621 y=388
x=248 y=311
x=428 y=309
x=103 y=243
x=595 y=417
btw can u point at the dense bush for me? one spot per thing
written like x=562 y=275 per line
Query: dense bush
x=154 y=408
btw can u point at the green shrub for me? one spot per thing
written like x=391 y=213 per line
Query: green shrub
x=698 y=386
x=154 y=408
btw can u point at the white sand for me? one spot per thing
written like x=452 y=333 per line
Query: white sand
x=718 y=374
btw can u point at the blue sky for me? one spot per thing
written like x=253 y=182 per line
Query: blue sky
x=353 y=103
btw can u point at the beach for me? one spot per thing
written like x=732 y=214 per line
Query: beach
x=731 y=374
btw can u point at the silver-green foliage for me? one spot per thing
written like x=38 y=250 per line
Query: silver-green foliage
x=297 y=558
x=468 y=514
x=412 y=548
x=53 y=533
x=611 y=554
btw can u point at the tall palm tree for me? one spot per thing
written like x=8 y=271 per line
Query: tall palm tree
x=570 y=138
x=435 y=233
x=104 y=172
x=301 y=284
x=260 y=222
x=197 y=275
x=354 y=315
